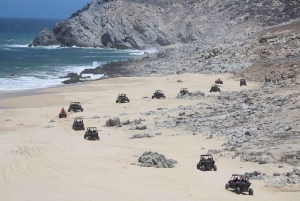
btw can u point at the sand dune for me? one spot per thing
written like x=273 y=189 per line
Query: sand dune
x=39 y=163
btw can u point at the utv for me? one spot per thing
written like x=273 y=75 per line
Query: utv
x=206 y=163
x=78 y=124
x=158 y=94
x=239 y=183
x=75 y=106
x=215 y=88
x=122 y=98
x=184 y=91
x=91 y=134
x=219 y=81
x=243 y=82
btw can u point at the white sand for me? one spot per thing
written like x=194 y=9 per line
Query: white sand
x=56 y=163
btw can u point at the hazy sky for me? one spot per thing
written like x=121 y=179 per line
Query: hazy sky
x=49 y=9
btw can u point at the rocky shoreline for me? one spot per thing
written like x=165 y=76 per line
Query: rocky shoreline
x=238 y=39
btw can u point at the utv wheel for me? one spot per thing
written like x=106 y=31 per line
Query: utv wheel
x=83 y=128
x=210 y=91
x=164 y=97
x=116 y=101
x=215 y=168
x=250 y=191
x=74 y=128
x=226 y=186
x=69 y=110
x=152 y=97
x=75 y=110
x=237 y=190
x=128 y=100
x=81 y=110
x=198 y=166
x=202 y=168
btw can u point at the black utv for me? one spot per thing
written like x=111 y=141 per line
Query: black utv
x=184 y=91
x=122 y=98
x=75 y=106
x=78 y=124
x=239 y=183
x=206 y=163
x=158 y=94
x=91 y=134
x=215 y=88
x=243 y=82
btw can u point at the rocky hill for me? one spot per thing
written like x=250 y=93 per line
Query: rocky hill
x=140 y=24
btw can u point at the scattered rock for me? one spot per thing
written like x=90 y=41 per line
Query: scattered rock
x=276 y=174
x=137 y=121
x=181 y=113
x=52 y=121
x=48 y=126
x=145 y=135
x=141 y=127
x=287 y=128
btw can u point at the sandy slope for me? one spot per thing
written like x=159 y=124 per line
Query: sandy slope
x=38 y=163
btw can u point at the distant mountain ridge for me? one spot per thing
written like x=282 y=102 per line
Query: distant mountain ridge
x=139 y=24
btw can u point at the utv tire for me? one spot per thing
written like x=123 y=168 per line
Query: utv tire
x=116 y=101
x=83 y=128
x=198 y=166
x=226 y=186
x=69 y=110
x=210 y=91
x=215 y=168
x=250 y=191
x=128 y=100
x=75 y=110
x=164 y=97
x=202 y=168
x=152 y=97
x=74 y=127
x=237 y=190
x=81 y=110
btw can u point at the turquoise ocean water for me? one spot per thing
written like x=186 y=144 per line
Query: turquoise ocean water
x=40 y=67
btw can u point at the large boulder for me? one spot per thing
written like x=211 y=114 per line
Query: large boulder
x=154 y=159
x=113 y=121
x=265 y=159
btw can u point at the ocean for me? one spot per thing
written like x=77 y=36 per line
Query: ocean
x=40 y=67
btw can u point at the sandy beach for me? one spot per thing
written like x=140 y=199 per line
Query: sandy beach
x=43 y=160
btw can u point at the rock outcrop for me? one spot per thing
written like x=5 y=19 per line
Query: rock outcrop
x=137 y=24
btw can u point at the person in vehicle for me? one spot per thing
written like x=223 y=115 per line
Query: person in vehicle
x=63 y=110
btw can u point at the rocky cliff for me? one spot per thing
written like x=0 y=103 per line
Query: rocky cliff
x=139 y=23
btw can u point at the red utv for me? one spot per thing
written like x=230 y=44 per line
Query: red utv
x=62 y=114
x=239 y=183
x=206 y=163
x=219 y=81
